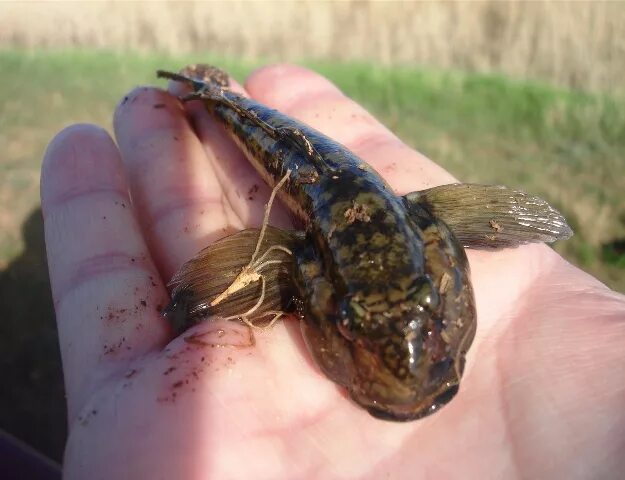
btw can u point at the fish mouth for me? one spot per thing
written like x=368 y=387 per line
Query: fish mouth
x=408 y=412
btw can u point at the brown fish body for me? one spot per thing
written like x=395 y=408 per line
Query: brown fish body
x=382 y=284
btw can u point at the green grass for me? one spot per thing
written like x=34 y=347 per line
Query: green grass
x=568 y=147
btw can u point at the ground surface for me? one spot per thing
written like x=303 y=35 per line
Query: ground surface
x=565 y=146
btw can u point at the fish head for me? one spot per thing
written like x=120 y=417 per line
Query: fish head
x=408 y=356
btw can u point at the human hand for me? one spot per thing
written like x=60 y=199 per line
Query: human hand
x=543 y=394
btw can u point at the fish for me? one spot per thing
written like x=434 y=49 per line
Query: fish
x=380 y=282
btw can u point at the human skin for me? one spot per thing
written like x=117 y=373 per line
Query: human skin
x=543 y=394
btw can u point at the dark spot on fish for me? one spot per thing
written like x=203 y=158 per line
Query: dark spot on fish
x=159 y=105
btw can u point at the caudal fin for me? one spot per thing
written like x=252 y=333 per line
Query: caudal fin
x=200 y=77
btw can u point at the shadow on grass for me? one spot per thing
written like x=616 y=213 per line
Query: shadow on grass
x=32 y=402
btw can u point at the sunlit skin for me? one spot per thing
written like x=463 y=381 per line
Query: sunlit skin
x=543 y=394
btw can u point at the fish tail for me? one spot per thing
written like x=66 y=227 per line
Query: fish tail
x=200 y=77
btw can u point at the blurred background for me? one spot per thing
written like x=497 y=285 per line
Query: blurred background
x=530 y=95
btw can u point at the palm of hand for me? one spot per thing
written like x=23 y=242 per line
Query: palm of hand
x=543 y=393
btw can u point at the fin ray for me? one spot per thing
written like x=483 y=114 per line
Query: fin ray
x=207 y=275
x=492 y=217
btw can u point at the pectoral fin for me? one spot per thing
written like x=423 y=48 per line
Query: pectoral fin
x=206 y=277
x=491 y=217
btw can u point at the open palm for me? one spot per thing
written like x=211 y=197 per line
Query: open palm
x=544 y=390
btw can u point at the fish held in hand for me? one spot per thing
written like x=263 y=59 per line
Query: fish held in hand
x=380 y=282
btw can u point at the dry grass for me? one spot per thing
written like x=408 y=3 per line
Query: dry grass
x=575 y=44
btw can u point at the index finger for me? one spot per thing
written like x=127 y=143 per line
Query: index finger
x=105 y=287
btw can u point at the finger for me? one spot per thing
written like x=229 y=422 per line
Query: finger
x=246 y=193
x=311 y=98
x=178 y=198
x=106 y=289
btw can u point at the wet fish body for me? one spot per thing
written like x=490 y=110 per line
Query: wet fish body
x=380 y=281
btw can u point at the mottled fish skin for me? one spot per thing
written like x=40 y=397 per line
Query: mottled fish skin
x=384 y=293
